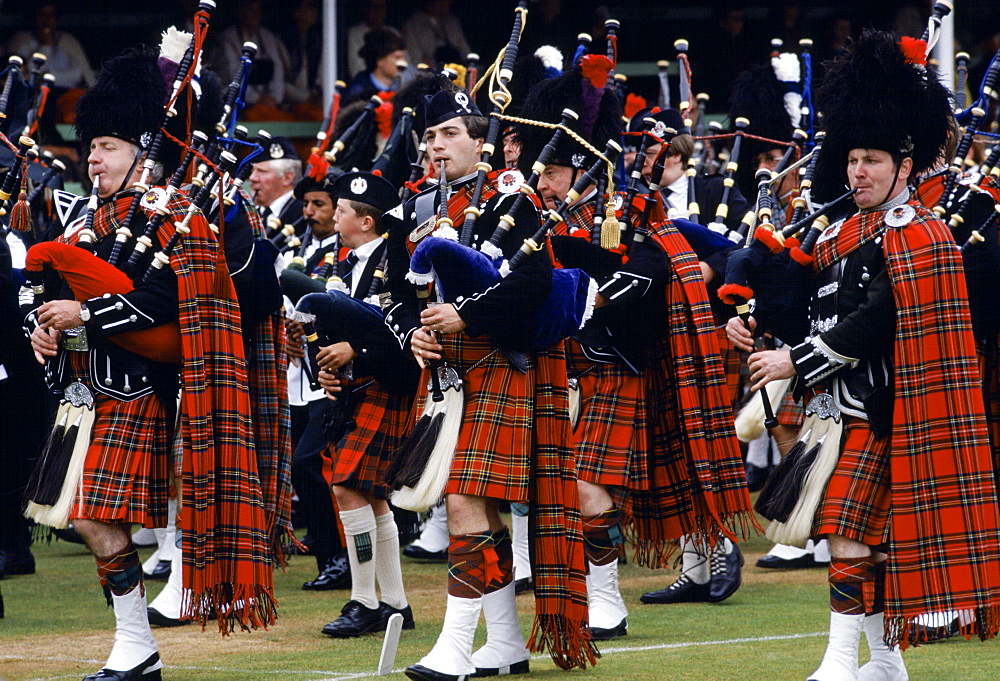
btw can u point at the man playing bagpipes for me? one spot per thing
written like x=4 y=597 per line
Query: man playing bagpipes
x=706 y=576
x=373 y=381
x=512 y=438
x=910 y=508
x=108 y=459
x=307 y=267
x=652 y=405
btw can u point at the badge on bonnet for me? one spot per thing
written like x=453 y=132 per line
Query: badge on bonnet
x=659 y=130
x=359 y=185
x=462 y=100
x=277 y=151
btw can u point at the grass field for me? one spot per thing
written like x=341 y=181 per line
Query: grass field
x=774 y=628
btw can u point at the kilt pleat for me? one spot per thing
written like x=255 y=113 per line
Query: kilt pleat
x=857 y=500
x=125 y=474
x=363 y=457
x=611 y=435
x=492 y=458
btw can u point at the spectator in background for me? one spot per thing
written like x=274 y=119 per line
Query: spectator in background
x=374 y=13
x=435 y=35
x=304 y=45
x=382 y=51
x=266 y=92
x=66 y=59
x=731 y=53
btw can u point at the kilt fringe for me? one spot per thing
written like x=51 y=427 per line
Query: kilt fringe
x=905 y=631
x=247 y=606
x=568 y=643
x=653 y=550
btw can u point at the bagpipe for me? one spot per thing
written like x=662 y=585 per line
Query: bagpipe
x=460 y=272
x=87 y=275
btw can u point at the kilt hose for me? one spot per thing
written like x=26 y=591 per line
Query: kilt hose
x=362 y=458
x=857 y=500
x=611 y=435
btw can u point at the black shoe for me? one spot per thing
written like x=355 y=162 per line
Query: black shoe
x=336 y=575
x=160 y=573
x=598 y=634
x=137 y=673
x=522 y=667
x=355 y=619
x=523 y=585
x=418 y=672
x=726 y=574
x=921 y=633
x=681 y=591
x=420 y=553
x=158 y=619
x=16 y=563
x=386 y=611
x=775 y=563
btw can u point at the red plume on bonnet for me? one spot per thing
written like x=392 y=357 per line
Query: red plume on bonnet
x=383 y=115
x=595 y=68
x=914 y=50
x=634 y=104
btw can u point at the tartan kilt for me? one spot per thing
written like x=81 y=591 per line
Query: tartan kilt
x=790 y=413
x=857 y=500
x=126 y=471
x=733 y=362
x=611 y=435
x=495 y=444
x=362 y=458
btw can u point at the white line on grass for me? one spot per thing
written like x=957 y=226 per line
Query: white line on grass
x=366 y=675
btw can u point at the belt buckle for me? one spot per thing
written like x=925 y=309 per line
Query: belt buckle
x=75 y=339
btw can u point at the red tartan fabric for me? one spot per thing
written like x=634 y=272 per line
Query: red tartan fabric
x=944 y=534
x=559 y=566
x=126 y=470
x=267 y=365
x=856 y=503
x=610 y=436
x=362 y=458
x=929 y=192
x=227 y=560
x=733 y=363
x=698 y=483
x=493 y=455
x=790 y=413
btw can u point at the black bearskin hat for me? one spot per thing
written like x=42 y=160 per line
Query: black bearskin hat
x=599 y=111
x=529 y=70
x=877 y=97
x=126 y=101
x=413 y=95
x=759 y=96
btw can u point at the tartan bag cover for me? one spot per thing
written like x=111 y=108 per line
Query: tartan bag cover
x=698 y=484
x=224 y=533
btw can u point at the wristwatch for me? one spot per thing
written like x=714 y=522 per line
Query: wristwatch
x=84 y=313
